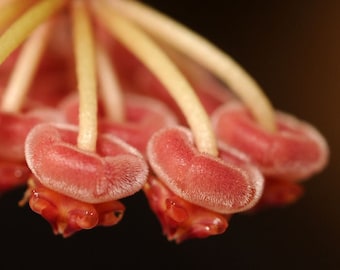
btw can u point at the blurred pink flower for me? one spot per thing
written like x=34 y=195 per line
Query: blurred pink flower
x=116 y=102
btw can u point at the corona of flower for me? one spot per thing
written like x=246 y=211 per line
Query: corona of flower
x=101 y=99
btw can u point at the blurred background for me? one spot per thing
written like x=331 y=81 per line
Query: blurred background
x=292 y=48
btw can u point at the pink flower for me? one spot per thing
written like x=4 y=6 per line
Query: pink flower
x=121 y=99
x=291 y=154
x=194 y=194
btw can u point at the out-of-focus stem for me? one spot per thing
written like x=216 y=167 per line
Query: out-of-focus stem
x=12 y=9
x=25 y=69
x=204 y=53
x=167 y=72
x=110 y=89
x=23 y=27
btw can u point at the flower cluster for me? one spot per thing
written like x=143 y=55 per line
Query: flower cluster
x=102 y=99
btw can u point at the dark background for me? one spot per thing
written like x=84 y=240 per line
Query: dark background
x=292 y=48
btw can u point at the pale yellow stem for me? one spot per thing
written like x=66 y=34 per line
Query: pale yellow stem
x=23 y=26
x=110 y=89
x=204 y=53
x=25 y=69
x=166 y=71
x=10 y=10
x=84 y=48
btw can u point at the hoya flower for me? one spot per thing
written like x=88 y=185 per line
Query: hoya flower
x=194 y=194
x=293 y=153
x=121 y=99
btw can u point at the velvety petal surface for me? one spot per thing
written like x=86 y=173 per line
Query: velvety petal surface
x=211 y=182
x=114 y=171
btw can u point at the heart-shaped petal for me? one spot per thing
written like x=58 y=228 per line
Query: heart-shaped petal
x=295 y=151
x=225 y=186
x=115 y=171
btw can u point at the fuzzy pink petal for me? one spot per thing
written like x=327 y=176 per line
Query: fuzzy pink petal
x=279 y=193
x=144 y=116
x=295 y=151
x=13 y=132
x=14 y=128
x=115 y=171
x=214 y=183
x=12 y=175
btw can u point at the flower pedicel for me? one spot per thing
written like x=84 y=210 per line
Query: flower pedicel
x=103 y=99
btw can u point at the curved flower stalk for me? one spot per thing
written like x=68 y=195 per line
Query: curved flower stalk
x=90 y=116
x=136 y=78
x=203 y=52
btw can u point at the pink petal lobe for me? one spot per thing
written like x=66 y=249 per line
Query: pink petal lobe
x=214 y=183
x=295 y=151
x=279 y=193
x=16 y=126
x=13 y=132
x=115 y=171
x=144 y=116
x=12 y=175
